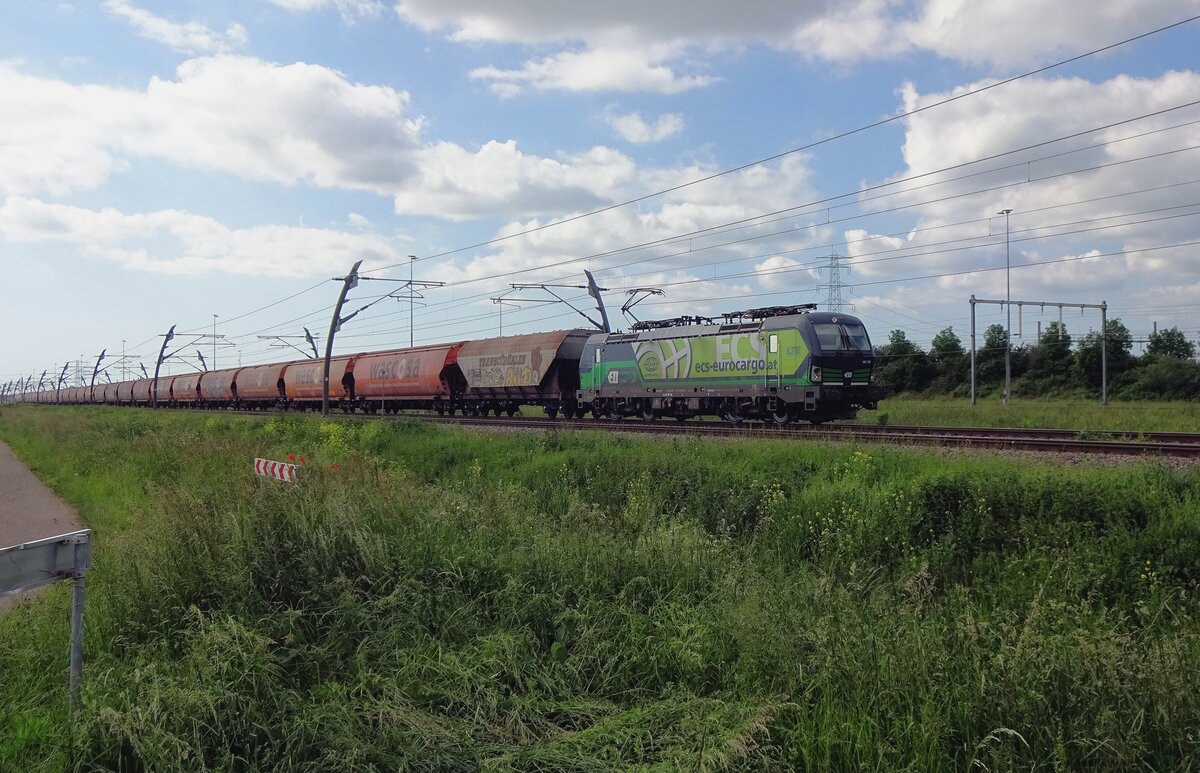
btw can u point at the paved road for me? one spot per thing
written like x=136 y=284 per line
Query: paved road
x=28 y=510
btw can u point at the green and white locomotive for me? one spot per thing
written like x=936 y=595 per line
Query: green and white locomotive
x=777 y=364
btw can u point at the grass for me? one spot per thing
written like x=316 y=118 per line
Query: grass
x=452 y=600
x=1083 y=415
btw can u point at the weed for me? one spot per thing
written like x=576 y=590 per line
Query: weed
x=449 y=600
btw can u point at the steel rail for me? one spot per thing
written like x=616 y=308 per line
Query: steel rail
x=1062 y=441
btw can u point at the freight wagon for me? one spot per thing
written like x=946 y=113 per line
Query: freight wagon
x=775 y=364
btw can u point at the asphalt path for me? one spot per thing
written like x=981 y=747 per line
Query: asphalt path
x=28 y=510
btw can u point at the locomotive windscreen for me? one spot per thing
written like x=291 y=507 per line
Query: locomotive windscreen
x=842 y=336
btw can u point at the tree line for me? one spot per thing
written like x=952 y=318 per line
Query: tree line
x=1053 y=365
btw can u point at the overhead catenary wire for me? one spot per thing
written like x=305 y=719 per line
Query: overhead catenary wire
x=311 y=315
x=725 y=172
x=877 y=212
x=920 y=250
x=841 y=135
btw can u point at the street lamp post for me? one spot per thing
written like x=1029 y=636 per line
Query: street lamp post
x=411 y=299
x=1008 y=308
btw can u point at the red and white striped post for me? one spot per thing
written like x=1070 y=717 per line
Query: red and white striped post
x=278 y=470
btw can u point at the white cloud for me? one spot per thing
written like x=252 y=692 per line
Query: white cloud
x=455 y=183
x=634 y=128
x=609 y=68
x=851 y=31
x=1016 y=34
x=350 y=10
x=779 y=272
x=602 y=47
x=174 y=242
x=734 y=197
x=289 y=124
x=550 y=21
x=1004 y=36
x=1050 y=192
x=191 y=37
x=875 y=249
x=293 y=124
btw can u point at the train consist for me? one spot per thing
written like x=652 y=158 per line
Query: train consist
x=777 y=364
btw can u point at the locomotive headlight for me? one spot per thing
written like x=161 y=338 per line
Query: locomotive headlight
x=816 y=374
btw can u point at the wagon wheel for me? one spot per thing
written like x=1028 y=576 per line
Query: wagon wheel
x=511 y=411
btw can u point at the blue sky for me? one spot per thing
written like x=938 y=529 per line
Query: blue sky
x=164 y=162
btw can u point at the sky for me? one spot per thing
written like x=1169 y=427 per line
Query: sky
x=216 y=165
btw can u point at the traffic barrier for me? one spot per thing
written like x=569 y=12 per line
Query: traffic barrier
x=277 y=470
x=41 y=562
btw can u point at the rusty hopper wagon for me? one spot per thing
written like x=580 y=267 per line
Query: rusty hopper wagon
x=503 y=374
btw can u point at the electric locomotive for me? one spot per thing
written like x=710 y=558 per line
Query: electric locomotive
x=777 y=364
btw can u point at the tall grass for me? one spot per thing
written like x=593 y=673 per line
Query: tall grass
x=1080 y=414
x=450 y=600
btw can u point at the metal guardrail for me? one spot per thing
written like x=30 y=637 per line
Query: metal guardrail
x=42 y=562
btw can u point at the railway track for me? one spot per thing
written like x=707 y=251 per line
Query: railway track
x=1174 y=444
x=1060 y=441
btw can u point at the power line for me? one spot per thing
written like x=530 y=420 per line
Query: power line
x=859 y=192
x=891 y=119
x=809 y=146
x=727 y=226
x=460 y=300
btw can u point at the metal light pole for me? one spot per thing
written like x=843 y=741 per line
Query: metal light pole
x=96 y=372
x=1008 y=309
x=124 y=367
x=412 y=302
x=349 y=282
x=162 y=355
x=214 y=365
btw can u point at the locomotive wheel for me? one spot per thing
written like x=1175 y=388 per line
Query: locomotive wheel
x=780 y=415
x=648 y=414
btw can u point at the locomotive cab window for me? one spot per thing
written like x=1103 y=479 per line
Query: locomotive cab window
x=857 y=336
x=845 y=336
